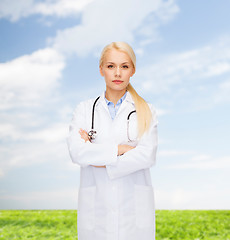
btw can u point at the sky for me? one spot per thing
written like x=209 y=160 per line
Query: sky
x=49 y=54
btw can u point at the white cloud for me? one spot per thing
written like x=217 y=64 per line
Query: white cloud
x=174 y=199
x=16 y=9
x=189 y=160
x=24 y=8
x=171 y=153
x=203 y=162
x=1 y=173
x=33 y=152
x=52 y=134
x=172 y=70
x=200 y=158
x=27 y=135
x=179 y=198
x=222 y=94
x=9 y=131
x=26 y=80
x=104 y=21
x=61 y=8
x=161 y=112
x=30 y=137
x=63 y=199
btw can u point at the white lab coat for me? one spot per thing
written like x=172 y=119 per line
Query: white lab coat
x=116 y=202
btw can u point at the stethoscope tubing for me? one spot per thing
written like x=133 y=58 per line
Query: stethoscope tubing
x=93 y=112
x=92 y=132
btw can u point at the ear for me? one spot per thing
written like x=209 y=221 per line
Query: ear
x=101 y=71
x=133 y=72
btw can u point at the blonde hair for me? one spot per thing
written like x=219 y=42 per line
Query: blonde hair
x=144 y=114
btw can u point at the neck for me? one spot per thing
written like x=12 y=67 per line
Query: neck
x=114 y=96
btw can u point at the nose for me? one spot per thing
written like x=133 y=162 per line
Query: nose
x=117 y=71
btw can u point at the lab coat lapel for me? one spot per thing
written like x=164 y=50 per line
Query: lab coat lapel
x=128 y=100
x=101 y=101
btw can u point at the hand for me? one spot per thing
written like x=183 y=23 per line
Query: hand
x=123 y=148
x=84 y=135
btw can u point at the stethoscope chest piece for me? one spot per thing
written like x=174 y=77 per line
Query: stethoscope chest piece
x=92 y=134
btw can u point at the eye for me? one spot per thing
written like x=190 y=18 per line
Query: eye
x=125 y=66
x=110 y=66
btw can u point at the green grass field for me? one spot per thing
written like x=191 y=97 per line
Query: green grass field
x=62 y=224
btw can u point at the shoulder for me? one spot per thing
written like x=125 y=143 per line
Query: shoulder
x=153 y=111
x=152 y=107
x=86 y=103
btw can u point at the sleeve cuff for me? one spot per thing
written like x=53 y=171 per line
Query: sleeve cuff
x=113 y=160
x=111 y=169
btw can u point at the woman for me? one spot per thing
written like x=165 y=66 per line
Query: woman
x=115 y=198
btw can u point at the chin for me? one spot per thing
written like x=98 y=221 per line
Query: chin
x=119 y=88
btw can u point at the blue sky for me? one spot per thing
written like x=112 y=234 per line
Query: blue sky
x=49 y=63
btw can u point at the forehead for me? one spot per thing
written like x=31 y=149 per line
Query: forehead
x=116 y=56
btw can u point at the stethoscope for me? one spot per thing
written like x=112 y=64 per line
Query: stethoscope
x=93 y=133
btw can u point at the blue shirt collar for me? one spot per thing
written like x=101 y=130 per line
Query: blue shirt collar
x=119 y=101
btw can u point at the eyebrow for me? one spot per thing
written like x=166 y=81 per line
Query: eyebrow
x=122 y=63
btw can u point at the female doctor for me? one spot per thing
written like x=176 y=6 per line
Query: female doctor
x=115 y=198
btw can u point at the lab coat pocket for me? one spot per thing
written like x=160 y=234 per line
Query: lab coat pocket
x=144 y=206
x=86 y=208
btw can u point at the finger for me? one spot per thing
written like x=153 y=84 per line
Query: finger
x=82 y=135
x=85 y=136
x=83 y=132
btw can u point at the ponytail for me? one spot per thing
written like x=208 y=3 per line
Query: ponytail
x=144 y=114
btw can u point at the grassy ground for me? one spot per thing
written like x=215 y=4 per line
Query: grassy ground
x=192 y=225
x=38 y=224
x=62 y=224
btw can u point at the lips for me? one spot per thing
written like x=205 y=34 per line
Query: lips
x=117 y=81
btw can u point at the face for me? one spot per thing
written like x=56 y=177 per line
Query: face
x=117 y=70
